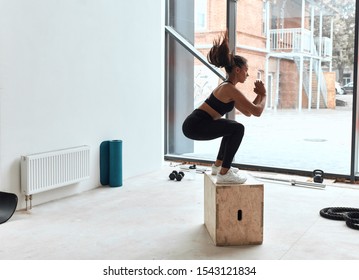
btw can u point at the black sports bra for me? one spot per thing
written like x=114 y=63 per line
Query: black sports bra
x=219 y=106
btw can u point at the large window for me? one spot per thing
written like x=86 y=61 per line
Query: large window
x=302 y=50
x=200 y=10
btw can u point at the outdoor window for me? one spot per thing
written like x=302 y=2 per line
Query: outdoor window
x=304 y=53
x=200 y=15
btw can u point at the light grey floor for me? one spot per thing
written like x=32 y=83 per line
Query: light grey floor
x=153 y=218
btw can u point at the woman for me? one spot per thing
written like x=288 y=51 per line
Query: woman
x=205 y=123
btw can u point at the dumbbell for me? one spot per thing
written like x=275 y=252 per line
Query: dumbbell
x=173 y=175
x=318 y=176
x=176 y=175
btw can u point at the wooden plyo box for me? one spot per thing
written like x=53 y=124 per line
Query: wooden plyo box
x=233 y=213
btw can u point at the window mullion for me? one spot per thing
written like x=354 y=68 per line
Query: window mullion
x=231 y=27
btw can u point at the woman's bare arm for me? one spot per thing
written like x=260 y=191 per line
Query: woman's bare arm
x=247 y=107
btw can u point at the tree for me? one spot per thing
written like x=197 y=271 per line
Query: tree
x=343 y=44
x=343 y=14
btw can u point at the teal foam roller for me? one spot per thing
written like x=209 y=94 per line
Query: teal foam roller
x=115 y=156
x=105 y=163
x=111 y=163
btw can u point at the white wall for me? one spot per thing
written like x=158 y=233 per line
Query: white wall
x=78 y=72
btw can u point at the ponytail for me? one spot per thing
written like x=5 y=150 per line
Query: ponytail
x=220 y=56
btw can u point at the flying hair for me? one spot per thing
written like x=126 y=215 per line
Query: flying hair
x=220 y=55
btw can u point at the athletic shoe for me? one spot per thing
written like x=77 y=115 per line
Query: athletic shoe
x=231 y=178
x=216 y=169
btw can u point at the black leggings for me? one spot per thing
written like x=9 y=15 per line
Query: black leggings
x=200 y=126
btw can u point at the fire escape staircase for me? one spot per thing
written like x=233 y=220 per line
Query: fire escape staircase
x=289 y=43
x=310 y=83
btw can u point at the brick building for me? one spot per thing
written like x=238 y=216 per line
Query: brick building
x=283 y=48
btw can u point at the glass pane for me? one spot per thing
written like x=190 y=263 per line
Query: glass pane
x=304 y=54
x=307 y=124
x=190 y=81
x=180 y=97
x=210 y=21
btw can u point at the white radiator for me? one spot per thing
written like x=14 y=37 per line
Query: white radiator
x=46 y=171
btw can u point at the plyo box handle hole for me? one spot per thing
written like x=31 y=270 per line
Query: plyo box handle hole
x=239 y=215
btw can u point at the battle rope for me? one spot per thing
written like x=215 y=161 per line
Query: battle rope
x=349 y=215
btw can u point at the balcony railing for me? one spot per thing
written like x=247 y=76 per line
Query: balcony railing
x=298 y=40
x=327 y=46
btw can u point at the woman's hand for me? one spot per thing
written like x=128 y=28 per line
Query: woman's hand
x=259 y=88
